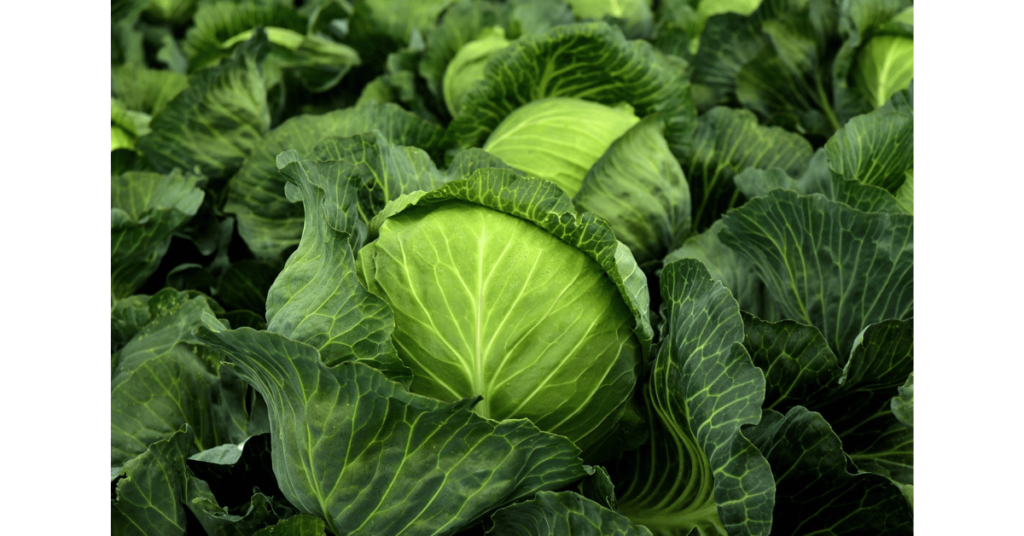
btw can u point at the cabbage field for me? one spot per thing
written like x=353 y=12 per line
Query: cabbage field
x=524 y=267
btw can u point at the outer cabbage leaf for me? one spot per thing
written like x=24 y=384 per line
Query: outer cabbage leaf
x=317 y=298
x=854 y=395
x=876 y=148
x=726 y=142
x=218 y=120
x=726 y=267
x=146 y=209
x=149 y=492
x=698 y=472
x=562 y=514
x=487 y=212
x=270 y=223
x=467 y=66
x=165 y=378
x=590 y=61
x=816 y=494
x=639 y=189
x=905 y=195
x=818 y=179
x=884 y=66
x=338 y=432
x=826 y=264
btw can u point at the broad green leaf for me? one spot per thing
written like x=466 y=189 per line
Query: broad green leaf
x=815 y=493
x=826 y=264
x=855 y=396
x=799 y=367
x=165 y=379
x=317 y=298
x=146 y=90
x=217 y=121
x=726 y=142
x=379 y=27
x=431 y=259
x=876 y=148
x=698 y=471
x=639 y=189
x=818 y=179
x=590 y=61
x=299 y=525
x=267 y=221
x=726 y=267
x=337 y=432
x=903 y=404
x=173 y=11
x=146 y=208
x=150 y=489
x=460 y=24
x=729 y=42
x=905 y=194
x=562 y=514
x=884 y=66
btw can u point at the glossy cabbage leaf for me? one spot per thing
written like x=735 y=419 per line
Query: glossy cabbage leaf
x=826 y=264
x=698 y=472
x=340 y=431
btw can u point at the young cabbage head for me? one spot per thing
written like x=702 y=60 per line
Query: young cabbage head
x=559 y=139
x=467 y=67
x=500 y=291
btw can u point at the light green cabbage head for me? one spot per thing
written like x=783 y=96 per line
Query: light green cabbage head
x=467 y=67
x=559 y=139
x=489 y=303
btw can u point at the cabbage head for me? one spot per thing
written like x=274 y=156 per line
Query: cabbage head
x=500 y=291
x=559 y=139
x=467 y=67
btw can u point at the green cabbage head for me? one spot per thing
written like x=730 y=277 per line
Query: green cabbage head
x=500 y=291
x=559 y=139
x=467 y=67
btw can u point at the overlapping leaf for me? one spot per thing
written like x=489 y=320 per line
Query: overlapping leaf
x=217 y=121
x=815 y=493
x=267 y=221
x=698 y=471
x=360 y=451
x=826 y=264
x=165 y=379
x=146 y=209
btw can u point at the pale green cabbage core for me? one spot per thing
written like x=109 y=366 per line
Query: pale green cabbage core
x=559 y=139
x=489 y=304
x=467 y=67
